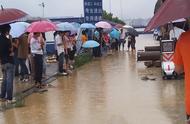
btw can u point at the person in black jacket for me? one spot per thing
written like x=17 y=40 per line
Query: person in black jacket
x=7 y=63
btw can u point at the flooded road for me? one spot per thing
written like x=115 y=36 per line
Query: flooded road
x=106 y=91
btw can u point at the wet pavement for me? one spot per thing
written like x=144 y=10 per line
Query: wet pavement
x=21 y=87
x=106 y=91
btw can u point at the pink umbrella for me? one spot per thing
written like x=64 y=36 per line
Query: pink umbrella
x=10 y=15
x=118 y=26
x=103 y=24
x=41 y=26
x=170 y=10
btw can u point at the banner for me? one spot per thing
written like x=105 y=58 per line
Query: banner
x=93 y=11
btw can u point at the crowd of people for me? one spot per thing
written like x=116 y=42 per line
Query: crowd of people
x=25 y=56
x=65 y=45
x=108 y=42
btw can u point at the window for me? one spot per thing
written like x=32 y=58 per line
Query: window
x=99 y=10
x=96 y=18
x=89 y=3
x=95 y=10
x=87 y=10
x=91 y=11
x=91 y=18
x=100 y=18
x=87 y=18
x=86 y=3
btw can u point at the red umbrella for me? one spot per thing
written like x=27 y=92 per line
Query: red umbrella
x=41 y=26
x=170 y=10
x=10 y=15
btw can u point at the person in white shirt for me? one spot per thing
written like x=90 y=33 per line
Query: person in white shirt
x=36 y=50
x=60 y=52
x=122 y=39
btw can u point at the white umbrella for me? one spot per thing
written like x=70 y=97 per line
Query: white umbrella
x=18 y=28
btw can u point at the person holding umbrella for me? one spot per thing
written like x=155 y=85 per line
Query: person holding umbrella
x=131 y=42
x=67 y=48
x=60 y=52
x=84 y=36
x=73 y=40
x=97 y=50
x=18 y=31
x=7 y=63
x=122 y=39
x=23 y=50
x=36 y=46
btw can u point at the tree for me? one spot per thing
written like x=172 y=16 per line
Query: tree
x=109 y=16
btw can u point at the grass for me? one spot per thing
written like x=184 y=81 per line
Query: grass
x=82 y=59
x=20 y=100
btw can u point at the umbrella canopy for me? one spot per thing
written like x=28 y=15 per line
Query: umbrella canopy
x=65 y=26
x=127 y=27
x=87 y=26
x=115 y=34
x=182 y=25
x=158 y=5
x=103 y=24
x=10 y=15
x=76 y=25
x=130 y=30
x=41 y=26
x=18 y=28
x=169 y=11
x=107 y=30
x=119 y=26
x=90 y=44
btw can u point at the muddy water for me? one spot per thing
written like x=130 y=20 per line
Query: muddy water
x=106 y=91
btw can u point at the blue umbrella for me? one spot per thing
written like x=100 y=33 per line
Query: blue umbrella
x=87 y=26
x=66 y=26
x=90 y=44
x=76 y=25
x=115 y=34
x=18 y=28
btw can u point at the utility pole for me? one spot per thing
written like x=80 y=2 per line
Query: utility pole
x=43 y=7
x=2 y=7
x=110 y=5
x=121 y=7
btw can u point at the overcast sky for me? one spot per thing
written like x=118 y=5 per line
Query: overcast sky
x=121 y=8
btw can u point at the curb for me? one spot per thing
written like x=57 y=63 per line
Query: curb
x=21 y=95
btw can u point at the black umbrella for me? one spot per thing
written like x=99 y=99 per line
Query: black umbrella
x=132 y=31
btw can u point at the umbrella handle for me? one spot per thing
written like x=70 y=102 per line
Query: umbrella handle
x=2 y=7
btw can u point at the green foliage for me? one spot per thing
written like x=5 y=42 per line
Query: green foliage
x=109 y=16
x=20 y=100
x=82 y=59
x=20 y=103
